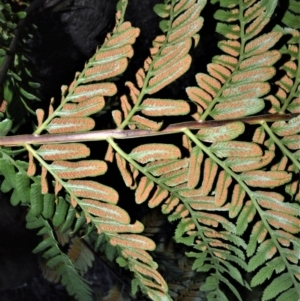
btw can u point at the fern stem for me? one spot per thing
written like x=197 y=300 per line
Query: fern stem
x=284 y=150
x=20 y=140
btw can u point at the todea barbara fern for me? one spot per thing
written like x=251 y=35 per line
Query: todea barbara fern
x=235 y=197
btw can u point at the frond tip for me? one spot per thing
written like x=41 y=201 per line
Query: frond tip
x=70 y=278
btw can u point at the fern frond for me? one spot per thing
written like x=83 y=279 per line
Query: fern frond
x=80 y=254
x=171 y=178
x=96 y=201
x=238 y=78
x=116 y=294
x=219 y=94
x=83 y=97
x=80 y=100
x=169 y=59
x=64 y=267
